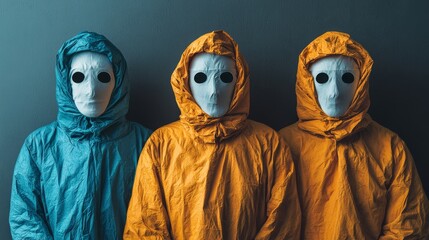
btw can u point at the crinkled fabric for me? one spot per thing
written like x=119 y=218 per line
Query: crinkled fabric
x=356 y=179
x=214 y=178
x=73 y=178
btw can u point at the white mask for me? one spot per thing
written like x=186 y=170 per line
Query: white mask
x=335 y=79
x=92 y=80
x=212 y=80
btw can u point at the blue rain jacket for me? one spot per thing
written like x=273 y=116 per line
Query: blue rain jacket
x=73 y=177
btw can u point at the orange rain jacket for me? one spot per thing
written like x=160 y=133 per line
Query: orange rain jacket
x=214 y=178
x=356 y=179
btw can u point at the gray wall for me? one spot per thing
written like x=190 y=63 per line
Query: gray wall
x=152 y=35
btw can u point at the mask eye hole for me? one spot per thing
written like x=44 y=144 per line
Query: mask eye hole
x=200 y=77
x=348 y=77
x=226 y=77
x=78 y=77
x=104 y=77
x=322 y=77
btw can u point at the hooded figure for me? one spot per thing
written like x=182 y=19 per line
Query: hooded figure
x=356 y=179
x=73 y=177
x=205 y=177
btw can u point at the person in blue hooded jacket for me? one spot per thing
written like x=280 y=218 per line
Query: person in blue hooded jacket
x=73 y=177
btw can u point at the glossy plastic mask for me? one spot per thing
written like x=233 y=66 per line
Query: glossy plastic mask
x=335 y=80
x=92 y=80
x=212 y=80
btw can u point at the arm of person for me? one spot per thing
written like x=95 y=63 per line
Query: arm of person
x=27 y=216
x=283 y=209
x=407 y=209
x=147 y=216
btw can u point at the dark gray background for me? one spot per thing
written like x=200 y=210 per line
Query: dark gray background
x=153 y=34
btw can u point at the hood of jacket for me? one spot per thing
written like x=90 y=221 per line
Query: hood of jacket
x=69 y=118
x=200 y=124
x=310 y=114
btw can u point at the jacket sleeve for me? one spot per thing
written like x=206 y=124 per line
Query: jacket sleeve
x=147 y=216
x=27 y=218
x=283 y=209
x=407 y=209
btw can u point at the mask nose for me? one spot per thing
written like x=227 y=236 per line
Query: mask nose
x=90 y=87
x=213 y=90
x=333 y=89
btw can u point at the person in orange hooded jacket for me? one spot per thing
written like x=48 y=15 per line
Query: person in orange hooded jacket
x=356 y=179
x=221 y=177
